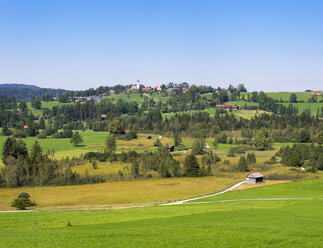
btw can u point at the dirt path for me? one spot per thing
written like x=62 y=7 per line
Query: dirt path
x=257 y=199
x=201 y=197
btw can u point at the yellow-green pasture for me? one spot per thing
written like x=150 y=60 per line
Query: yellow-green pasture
x=136 y=192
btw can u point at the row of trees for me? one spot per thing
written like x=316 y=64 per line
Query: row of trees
x=302 y=155
x=36 y=168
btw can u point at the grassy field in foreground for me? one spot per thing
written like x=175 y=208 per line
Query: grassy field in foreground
x=296 y=223
x=120 y=193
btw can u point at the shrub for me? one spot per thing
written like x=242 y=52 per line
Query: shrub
x=23 y=201
x=42 y=135
x=19 y=134
x=281 y=176
x=94 y=164
x=231 y=153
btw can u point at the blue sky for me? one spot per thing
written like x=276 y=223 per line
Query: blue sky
x=268 y=45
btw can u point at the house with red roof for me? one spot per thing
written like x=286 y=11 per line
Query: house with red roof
x=146 y=89
x=317 y=92
x=227 y=106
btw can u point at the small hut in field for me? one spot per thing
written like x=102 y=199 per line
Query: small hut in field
x=170 y=148
x=254 y=178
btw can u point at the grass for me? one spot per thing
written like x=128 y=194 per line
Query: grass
x=104 y=168
x=129 y=97
x=120 y=193
x=307 y=189
x=60 y=146
x=278 y=224
x=285 y=96
x=50 y=105
x=92 y=141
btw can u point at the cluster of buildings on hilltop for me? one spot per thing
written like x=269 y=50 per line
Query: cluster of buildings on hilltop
x=136 y=88
x=88 y=98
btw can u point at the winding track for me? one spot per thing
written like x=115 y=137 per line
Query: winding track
x=201 y=197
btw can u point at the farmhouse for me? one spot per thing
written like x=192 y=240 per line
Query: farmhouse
x=254 y=178
x=174 y=90
x=89 y=98
x=94 y=98
x=146 y=89
x=227 y=106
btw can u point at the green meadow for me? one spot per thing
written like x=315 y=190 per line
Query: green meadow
x=90 y=138
x=50 y=105
x=284 y=223
x=306 y=189
x=285 y=96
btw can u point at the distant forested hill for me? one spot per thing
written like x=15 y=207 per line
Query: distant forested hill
x=17 y=86
x=27 y=92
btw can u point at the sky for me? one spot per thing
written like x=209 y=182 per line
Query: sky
x=268 y=45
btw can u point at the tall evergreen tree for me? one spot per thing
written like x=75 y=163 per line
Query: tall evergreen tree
x=110 y=144
x=191 y=166
x=242 y=164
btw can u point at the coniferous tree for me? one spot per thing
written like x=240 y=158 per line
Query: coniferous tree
x=191 y=166
x=42 y=123
x=231 y=153
x=242 y=164
x=36 y=103
x=14 y=148
x=158 y=142
x=5 y=130
x=251 y=158
x=110 y=144
x=198 y=147
x=177 y=139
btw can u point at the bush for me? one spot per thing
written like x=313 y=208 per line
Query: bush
x=158 y=143
x=281 y=176
x=42 y=135
x=23 y=195
x=23 y=201
x=19 y=134
x=231 y=153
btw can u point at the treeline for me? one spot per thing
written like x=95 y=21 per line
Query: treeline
x=35 y=168
x=310 y=157
x=29 y=93
x=110 y=116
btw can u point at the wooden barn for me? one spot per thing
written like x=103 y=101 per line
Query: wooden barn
x=254 y=178
x=170 y=148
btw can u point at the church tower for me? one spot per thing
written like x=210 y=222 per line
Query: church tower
x=137 y=84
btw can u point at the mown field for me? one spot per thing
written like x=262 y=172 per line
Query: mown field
x=284 y=223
